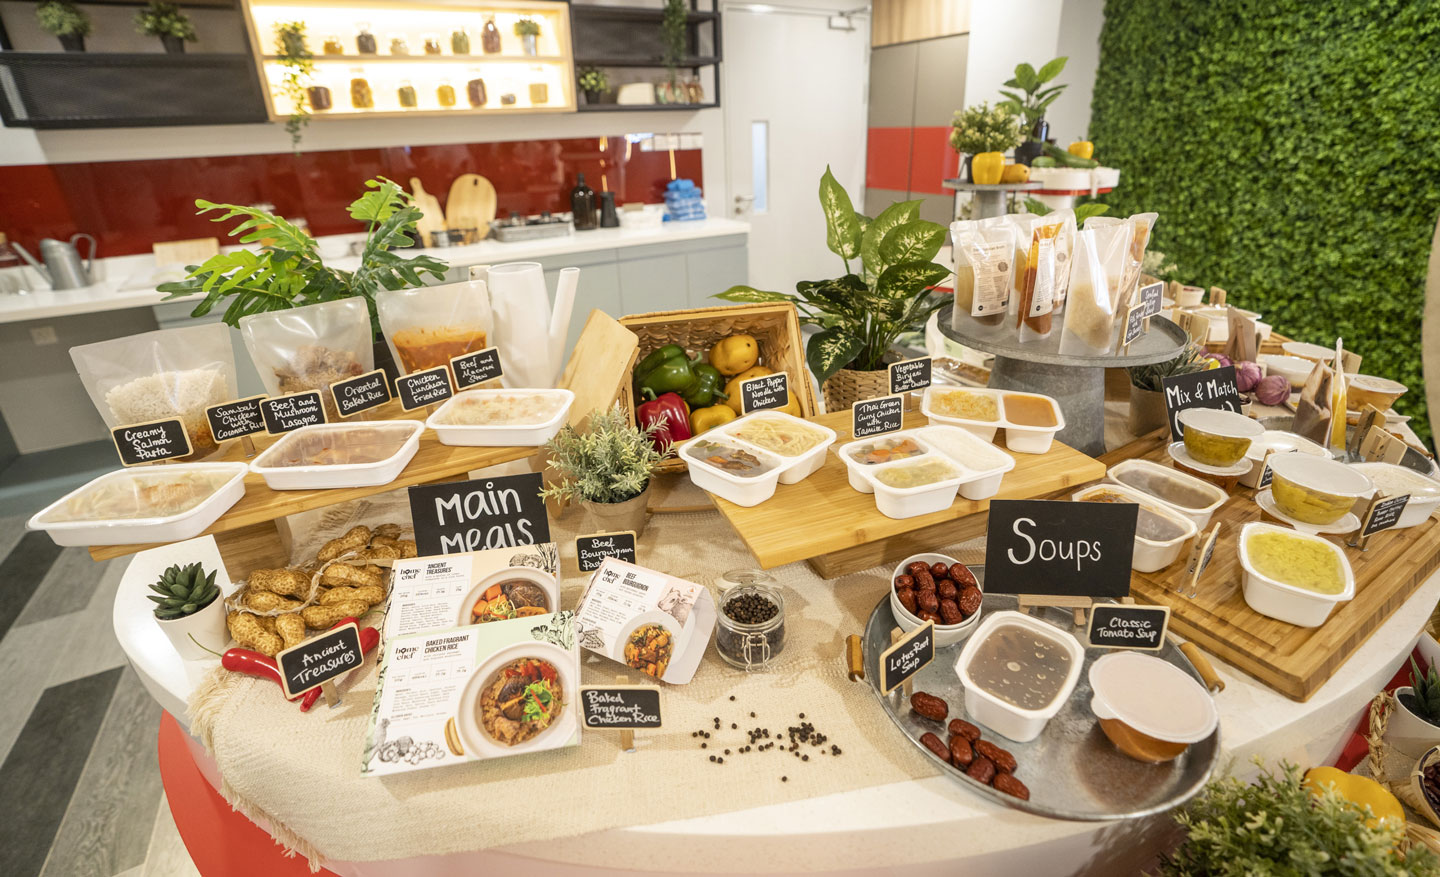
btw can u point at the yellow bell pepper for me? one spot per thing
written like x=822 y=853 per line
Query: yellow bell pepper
x=1360 y=791
x=986 y=168
x=732 y=389
x=792 y=405
x=706 y=419
x=1016 y=173
x=735 y=354
x=1082 y=149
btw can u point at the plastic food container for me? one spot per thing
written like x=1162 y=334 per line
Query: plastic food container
x=979 y=468
x=1394 y=480
x=986 y=463
x=936 y=395
x=945 y=634
x=1287 y=602
x=1362 y=390
x=1022 y=434
x=1294 y=369
x=518 y=418
x=1151 y=554
x=741 y=489
x=1150 y=709
x=115 y=508
x=1217 y=438
x=750 y=430
x=941 y=477
x=1018 y=723
x=1186 y=494
x=1281 y=443
x=1315 y=490
x=861 y=454
x=320 y=456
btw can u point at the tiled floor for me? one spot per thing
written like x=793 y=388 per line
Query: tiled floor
x=80 y=792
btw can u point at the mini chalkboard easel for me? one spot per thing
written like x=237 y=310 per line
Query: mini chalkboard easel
x=627 y=736
x=1381 y=513
x=1200 y=556
x=1077 y=604
x=906 y=688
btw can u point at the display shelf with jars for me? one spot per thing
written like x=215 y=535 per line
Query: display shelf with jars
x=381 y=58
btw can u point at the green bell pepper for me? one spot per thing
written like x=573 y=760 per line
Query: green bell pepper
x=705 y=389
x=649 y=363
x=673 y=375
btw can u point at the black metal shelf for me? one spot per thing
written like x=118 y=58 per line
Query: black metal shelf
x=633 y=13
x=640 y=108
x=621 y=61
x=191 y=4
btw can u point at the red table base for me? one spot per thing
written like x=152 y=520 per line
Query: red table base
x=221 y=842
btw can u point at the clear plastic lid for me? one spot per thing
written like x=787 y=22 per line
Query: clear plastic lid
x=1153 y=697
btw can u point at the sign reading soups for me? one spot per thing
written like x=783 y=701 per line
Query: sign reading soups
x=1059 y=547
x=485 y=513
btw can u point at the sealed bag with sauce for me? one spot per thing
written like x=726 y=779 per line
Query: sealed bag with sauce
x=431 y=325
x=984 y=251
x=1024 y=226
x=1033 y=318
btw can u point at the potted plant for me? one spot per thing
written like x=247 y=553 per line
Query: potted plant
x=593 y=83
x=983 y=128
x=166 y=21
x=607 y=468
x=673 y=23
x=65 y=20
x=527 y=29
x=287 y=271
x=1415 y=722
x=1032 y=104
x=884 y=292
x=299 y=63
x=1147 y=389
x=189 y=609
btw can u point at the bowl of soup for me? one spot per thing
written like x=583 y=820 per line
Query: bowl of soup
x=1292 y=576
x=1217 y=438
x=1316 y=490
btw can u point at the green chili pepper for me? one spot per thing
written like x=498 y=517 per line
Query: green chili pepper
x=706 y=387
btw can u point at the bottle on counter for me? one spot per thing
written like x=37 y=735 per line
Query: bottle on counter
x=445 y=94
x=608 y=217
x=406 y=94
x=490 y=37
x=432 y=44
x=398 y=46
x=475 y=91
x=364 y=39
x=460 y=41
x=333 y=46
x=361 y=98
x=320 y=98
x=582 y=204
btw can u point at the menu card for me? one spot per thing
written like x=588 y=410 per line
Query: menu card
x=445 y=590
x=647 y=620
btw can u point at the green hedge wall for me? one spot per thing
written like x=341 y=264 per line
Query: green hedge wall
x=1292 y=150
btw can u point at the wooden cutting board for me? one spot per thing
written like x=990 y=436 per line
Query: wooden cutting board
x=432 y=218
x=471 y=204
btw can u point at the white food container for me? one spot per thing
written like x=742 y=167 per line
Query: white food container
x=911 y=502
x=1281 y=443
x=1149 y=555
x=1127 y=469
x=980 y=467
x=745 y=492
x=1152 y=699
x=985 y=429
x=1016 y=723
x=987 y=463
x=320 y=477
x=129 y=531
x=1395 y=480
x=856 y=472
x=1298 y=606
x=796 y=468
x=521 y=435
x=945 y=634
x=1020 y=438
x=1031 y=439
x=1292 y=368
x=1313 y=352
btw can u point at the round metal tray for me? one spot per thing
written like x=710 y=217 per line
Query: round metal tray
x=1072 y=770
x=1162 y=343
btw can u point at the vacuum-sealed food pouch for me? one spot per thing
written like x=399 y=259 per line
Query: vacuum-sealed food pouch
x=1089 y=316
x=311 y=347
x=983 y=255
x=430 y=325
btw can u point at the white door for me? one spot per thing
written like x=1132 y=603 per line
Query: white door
x=794 y=99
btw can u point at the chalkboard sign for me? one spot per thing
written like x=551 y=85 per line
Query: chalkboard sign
x=1211 y=388
x=284 y=414
x=362 y=393
x=1384 y=514
x=233 y=420
x=591 y=550
x=907 y=657
x=877 y=416
x=912 y=374
x=424 y=388
x=476 y=368
x=620 y=707
x=1152 y=296
x=766 y=391
x=463 y=516
x=141 y=443
x=1079 y=549
x=1122 y=626
x=1266 y=473
x=321 y=659
x=1134 y=324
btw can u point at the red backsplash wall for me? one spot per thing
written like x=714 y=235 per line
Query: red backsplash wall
x=129 y=205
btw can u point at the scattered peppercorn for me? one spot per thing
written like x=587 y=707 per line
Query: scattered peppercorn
x=727 y=751
x=784 y=779
x=732 y=697
x=712 y=758
x=719 y=761
x=703 y=745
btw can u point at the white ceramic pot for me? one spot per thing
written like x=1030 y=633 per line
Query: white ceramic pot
x=1407 y=732
x=207 y=627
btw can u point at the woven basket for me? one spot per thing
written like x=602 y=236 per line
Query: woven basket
x=776 y=329
x=848 y=386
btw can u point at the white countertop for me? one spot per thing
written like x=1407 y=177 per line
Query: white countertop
x=129 y=281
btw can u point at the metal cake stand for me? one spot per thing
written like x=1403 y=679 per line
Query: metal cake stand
x=1076 y=382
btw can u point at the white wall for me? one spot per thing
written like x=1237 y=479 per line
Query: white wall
x=1002 y=34
x=1080 y=24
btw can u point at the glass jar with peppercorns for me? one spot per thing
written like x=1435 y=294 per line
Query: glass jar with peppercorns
x=751 y=622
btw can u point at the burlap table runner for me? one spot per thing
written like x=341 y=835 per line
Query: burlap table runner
x=299 y=774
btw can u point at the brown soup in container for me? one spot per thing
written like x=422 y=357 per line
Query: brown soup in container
x=1023 y=410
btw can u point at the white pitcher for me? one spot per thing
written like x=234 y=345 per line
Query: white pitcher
x=528 y=330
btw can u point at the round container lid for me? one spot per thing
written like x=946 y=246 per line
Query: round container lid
x=1374 y=384
x=1282 y=442
x=1217 y=422
x=1322 y=474
x=1305 y=350
x=1153 y=697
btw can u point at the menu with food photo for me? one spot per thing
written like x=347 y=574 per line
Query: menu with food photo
x=647 y=620
x=498 y=584
x=473 y=693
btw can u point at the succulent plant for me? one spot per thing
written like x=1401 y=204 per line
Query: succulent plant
x=1426 y=687
x=183 y=591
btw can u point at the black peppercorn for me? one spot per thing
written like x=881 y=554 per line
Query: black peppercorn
x=703 y=745
x=784 y=779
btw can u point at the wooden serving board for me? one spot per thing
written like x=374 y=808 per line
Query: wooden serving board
x=838 y=529
x=1295 y=661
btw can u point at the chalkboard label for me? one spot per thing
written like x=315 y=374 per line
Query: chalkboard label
x=1134 y=324
x=476 y=368
x=1211 y=388
x=877 y=416
x=1122 y=626
x=463 y=516
x=362 y=393
x=1079 y=549
x=424 y=388
x=912 y=374
x=1266 y=473
x=284 y=414
x=1152 y=296
x=1384 y=514
x=620 y=707
x=766 y=391
x=141 y=443
x=321 y=659
x=591 y=551
x=907 y=657
x=233 y=420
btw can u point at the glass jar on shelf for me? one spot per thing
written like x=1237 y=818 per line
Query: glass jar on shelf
x=406 y=94
x=445 y=94
x=398 y=45
x=475 y=90
x=539 y=93
x=364 y=39
x=333 y=46
x=490 y=37
x=460 y=41
x=361 y=97
x=750 y=623
x=432 y=44
x=320 y=98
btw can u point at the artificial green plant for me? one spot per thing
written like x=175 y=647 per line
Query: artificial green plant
x=610 y=462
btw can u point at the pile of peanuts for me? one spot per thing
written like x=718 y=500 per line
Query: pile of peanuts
x=351 y=582
x=981 y=760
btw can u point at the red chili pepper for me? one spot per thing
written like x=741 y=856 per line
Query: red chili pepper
x=671 y=414
x=252 y=664
x=369 y=639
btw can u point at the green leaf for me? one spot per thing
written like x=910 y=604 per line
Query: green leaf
x=914 y=241
x=1025 y=76
x=829 y=351
x=1092 y=208
x=1040 y=208
x=381 y=204
x=890 y=218
x=260 y=225
x=842 y=227
x=905 y=279
x=743 y=293
x=843 y=296
x=1052 y=68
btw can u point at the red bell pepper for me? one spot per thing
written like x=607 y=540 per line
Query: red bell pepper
x=670 y=415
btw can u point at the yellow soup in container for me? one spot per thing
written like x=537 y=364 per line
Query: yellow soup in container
x=1315 y=490
x=1217 y=438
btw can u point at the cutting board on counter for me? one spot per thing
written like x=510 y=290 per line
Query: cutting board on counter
x=471 y=204
x=432 y=218
x=1295 y=661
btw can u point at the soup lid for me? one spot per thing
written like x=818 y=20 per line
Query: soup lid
x=1152 y=696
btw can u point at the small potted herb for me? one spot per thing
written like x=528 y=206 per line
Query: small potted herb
x=527 y=29
x=65 y=20
x=166 y=21
x=1415 y=722
x=607 y=468
x=593 y=83
x=189 y=609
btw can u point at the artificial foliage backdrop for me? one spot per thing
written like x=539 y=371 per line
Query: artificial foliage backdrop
x=1292 y=150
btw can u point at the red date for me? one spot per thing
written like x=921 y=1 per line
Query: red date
x=917 y=566
x=961 y=753
x=950 y=613
x=907 y=599
x=928 y=602
x=970 y=600
x=934 y=745
x=947 y=590
x=1007 y=783
x=904 y=580
x=1004 y=761
x=924 y=581
x=981 y=769
x=939 y=570
x=962 y=728
x=929 y=616
x=961 y=575
x=929 y=706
